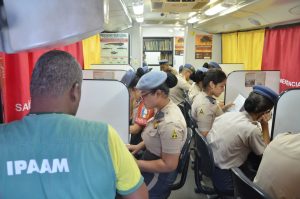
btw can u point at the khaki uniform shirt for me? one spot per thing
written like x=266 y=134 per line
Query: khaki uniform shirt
x=177 y=93
x=193 y=92
x=204 y=110
x=232 y=137
x=166 y=132
x=279 y=171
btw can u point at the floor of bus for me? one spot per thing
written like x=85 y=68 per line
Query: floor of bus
x=188 y=190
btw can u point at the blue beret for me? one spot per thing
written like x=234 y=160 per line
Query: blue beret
x=190 y=67
x=163 y=61
x=128 y=77
x=214 y=64
x=267 y=92
x=151 y=80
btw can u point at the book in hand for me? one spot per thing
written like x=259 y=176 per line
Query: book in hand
x=238 y=104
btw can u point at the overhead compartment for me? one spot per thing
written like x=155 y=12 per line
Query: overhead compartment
x=119 y=17
x=252 y=15
x=34 y=24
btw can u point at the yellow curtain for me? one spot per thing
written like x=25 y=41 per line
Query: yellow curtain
x=91 y=51
x=250 y=48
x=229 y=48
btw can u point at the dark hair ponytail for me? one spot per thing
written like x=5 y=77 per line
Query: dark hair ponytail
x=197 y=76
x=171 y=80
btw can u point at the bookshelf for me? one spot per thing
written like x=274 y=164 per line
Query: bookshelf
x=161 y=45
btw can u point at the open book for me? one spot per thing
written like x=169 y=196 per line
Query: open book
x=238 y=104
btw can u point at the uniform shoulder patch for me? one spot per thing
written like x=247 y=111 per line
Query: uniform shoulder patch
x=174 y=135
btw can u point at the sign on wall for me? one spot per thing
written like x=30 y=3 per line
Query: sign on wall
x=114 y=48
x=179 y=46
x=203 y=46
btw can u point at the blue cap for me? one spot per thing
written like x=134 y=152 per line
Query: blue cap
x=190 y=67
x=214 y=64
x=128 y=77
x=151 y=80
x=163 y=61
x=267 y=92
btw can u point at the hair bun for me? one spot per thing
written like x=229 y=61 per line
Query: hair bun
x=140 y=72
x=171 y=80
x=205 y=65
x=250 y=105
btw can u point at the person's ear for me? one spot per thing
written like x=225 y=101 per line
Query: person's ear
x=212 y=85
x=75 y=92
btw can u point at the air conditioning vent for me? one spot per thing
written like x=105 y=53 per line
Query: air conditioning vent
x=177 y=5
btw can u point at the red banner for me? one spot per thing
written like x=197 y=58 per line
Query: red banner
x=281 y=52
x=15 y=71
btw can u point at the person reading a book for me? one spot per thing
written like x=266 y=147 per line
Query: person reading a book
x=235 y=134
x=205 y=107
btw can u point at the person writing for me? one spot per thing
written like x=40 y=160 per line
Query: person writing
x=52 y=154
x=164 y=135
x=235 y=134
x=140 y=114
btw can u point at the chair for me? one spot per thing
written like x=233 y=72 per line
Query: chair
x=204 y=164
x=244 y=188
x=183 y=163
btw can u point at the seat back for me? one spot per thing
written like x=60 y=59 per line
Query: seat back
x=206 y=159
x=244 y=188
x=192 y=122
x=183 y=162
x=203 y=164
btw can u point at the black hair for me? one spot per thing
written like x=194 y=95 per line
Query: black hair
x=134 y=82
x=197 y=76
x=180 y=68
x=214 y=75
x=256 y=103
x=139 y=73
x=55 y=72
x=205 y=65
x=170 y=82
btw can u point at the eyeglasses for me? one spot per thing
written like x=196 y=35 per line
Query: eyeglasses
x=143 y=95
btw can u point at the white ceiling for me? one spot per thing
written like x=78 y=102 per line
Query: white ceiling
x=252 y=14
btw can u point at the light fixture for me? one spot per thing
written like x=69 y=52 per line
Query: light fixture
x=215 y=9
x=193 y=19
x=138 y=7
x=106 y=11
x=139 y=19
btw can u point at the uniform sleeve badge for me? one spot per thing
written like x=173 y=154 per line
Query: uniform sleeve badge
x=201 y=111
x=155 y=124
x=174 y=135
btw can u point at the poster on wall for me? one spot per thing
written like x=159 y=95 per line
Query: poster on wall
x=203 y=46
x=114 y=48
x=257 y=78
x=179 y=46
